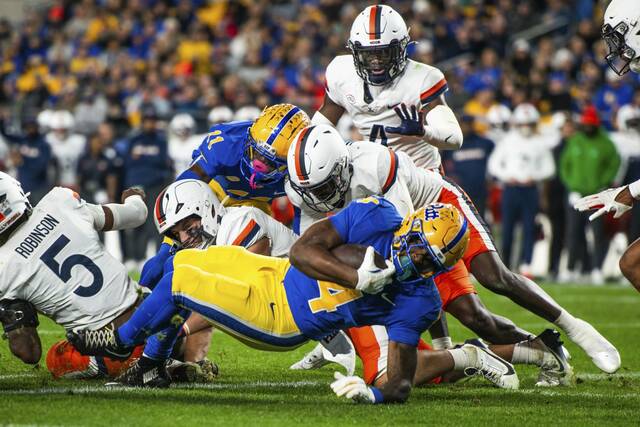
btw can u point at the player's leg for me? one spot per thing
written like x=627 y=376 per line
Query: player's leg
x=510 y=211
x=630 y=264
x=487 y=267
x=529 y=210
x=472 y=313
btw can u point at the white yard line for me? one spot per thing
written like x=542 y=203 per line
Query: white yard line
x=12 y=376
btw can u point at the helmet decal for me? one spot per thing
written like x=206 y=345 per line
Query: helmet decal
x=374 y=22
x=301 y=143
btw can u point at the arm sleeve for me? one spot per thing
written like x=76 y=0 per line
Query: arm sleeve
x=443 y=129
x=130 y=214
x=240 y=230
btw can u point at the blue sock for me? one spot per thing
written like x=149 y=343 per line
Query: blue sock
x=160 y=345
x=155 y=313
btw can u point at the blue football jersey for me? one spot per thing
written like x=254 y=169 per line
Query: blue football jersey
x=406 y=308
x=220 y=156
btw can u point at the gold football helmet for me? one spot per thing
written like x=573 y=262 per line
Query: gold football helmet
x=429 y=241
x=264 y=160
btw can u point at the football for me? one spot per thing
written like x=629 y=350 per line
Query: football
x=352 y=254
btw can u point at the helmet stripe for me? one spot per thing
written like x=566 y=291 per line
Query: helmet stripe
x=374 y=22
x=452 y=244
x=159 y=211
x=283 y=122
x=393 y=172
x=301 y=169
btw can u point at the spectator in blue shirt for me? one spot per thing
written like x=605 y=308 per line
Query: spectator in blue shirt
x=146 y=165
x=468 y=165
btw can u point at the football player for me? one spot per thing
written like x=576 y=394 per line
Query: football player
x=52 y=262
x=246 y=161
x=269 y=303
x=621 y=31
x=325 y=174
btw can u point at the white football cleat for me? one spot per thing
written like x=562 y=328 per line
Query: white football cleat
x=602 y=353
x=312 y=360
x=489 y=365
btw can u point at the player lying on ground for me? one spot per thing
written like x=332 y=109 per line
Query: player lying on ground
x=53 y=262
x=619 y=201
x=269 y=304
x=325 y=174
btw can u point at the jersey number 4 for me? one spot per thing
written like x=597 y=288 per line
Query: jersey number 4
x=332 y=296
x=64 y=271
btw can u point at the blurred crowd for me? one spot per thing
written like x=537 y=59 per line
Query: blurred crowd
x=99 y=95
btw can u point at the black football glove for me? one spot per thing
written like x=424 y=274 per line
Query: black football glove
x=411 y=123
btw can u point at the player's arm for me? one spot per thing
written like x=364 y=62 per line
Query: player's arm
x=261 y=247
x=19 y=321
x=401 y=368
x=329 y=112
x=195 y=171
x=131 y=213
x=311 y=254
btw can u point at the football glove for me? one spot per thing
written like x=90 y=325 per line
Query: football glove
x=371 y=279
x=605 y=201
x=352 y=387
x=411 y=122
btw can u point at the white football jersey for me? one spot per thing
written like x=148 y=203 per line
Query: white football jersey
x=67 y=152
x=180 y=151
x=395 y=177
x=56 y=262
x=245 y=225
x=419 y=84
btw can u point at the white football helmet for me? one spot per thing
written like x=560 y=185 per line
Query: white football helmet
x=319 y=167
x=61 y=120
x=628 y=118
x=186 y=198
x=182 y=124
x=525 y=118
x=621 y=31
x=378 y=42
x=499 y=116
x=14 y=203
x=247 y=113
x=221 y=114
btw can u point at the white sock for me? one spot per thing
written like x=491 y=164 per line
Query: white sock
x=566 y=322
x=460 y=359
x=525 y=353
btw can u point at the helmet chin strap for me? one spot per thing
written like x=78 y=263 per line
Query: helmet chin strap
x=259 y=168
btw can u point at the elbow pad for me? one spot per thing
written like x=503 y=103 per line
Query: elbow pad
x=443 y=126
x=320 y=119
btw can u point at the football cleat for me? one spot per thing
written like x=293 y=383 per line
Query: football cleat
x=144 y=372
x=103 y=342
x=555 y=369
x=489 y=365
x=602 y=353
x=312 y=360
x=204 y=371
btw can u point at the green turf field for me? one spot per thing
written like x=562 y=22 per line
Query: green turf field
x=256 y=388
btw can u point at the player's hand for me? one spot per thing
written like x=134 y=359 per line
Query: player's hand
x=411 y=121
x=372 y=279
x=352 y=387
x=610 y=200
x=133 y=191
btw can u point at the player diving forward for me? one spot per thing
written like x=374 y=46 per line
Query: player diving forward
x=325 y=174
x=52 y=262
x=270 y=304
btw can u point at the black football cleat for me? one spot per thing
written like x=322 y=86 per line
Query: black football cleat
x=555 y=369
x=103 y=342
x=144 y=372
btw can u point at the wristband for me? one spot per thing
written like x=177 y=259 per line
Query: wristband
x=377 y=395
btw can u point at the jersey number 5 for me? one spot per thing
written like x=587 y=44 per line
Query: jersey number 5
x=332 y=296
x=64 y=271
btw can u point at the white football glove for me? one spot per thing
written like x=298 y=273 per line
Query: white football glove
x=352 y=387
x=604 y=201
x=372 y=279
